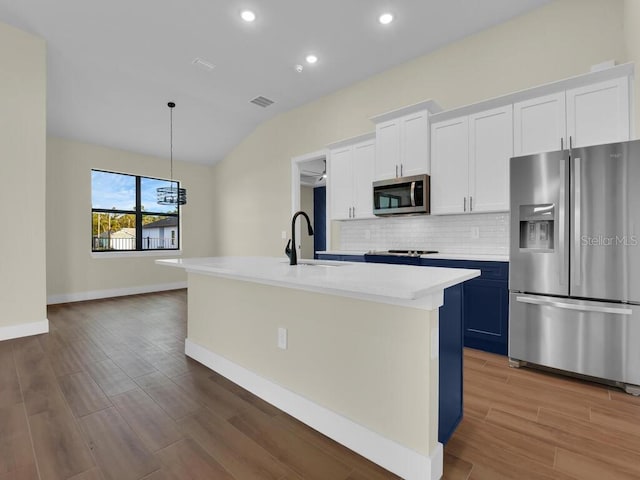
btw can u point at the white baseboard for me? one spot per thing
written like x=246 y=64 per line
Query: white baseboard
x=396 y=458
x=24 y=330
x=113 y=292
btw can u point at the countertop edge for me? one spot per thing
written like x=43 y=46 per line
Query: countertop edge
x=429 y=297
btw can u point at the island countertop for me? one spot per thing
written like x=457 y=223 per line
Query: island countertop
x=415 y=286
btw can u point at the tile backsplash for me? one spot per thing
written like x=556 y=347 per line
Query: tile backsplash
x=480 y=233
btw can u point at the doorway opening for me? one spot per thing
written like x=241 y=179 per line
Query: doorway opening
x=309 y=193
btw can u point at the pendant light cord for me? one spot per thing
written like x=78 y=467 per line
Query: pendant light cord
x=171 y=105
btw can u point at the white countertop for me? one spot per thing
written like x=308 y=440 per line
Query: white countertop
x=483 y=257
x=406 y=285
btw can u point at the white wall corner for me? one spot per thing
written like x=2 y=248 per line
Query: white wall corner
x=404 y=462
x=24 y=330
x=113 y=292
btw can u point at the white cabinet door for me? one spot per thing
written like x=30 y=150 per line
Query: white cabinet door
x=490 y=148
x=598 y=113
x=363 y=172
x=341 y=183
x=539 y=125
x=450 y=166
x=414 y=144
x=387 y=149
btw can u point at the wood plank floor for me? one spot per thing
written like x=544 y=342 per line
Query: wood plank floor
x=109 y=394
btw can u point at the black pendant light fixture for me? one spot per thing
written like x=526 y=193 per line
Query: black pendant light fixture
x=171 y=195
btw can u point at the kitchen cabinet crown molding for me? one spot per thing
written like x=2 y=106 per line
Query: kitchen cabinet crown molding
x=346 y=142
x=626 y=69
x=430 y=105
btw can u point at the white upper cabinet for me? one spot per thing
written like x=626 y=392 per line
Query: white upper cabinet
x=490 y=148
x=414 y=144
x=340 y=181
x=387 y=149
x=539 y=124
x=470 y=162
x=364 y=155
x=449 y=166
x=402 y=141
x=350 y=179
x=587 y=115
x=598 y=113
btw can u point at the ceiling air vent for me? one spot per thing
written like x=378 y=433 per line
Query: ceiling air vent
x=261 y=101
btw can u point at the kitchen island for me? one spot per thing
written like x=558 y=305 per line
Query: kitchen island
x=350 y=349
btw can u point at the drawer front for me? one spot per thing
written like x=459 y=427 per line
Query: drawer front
x=489 y=270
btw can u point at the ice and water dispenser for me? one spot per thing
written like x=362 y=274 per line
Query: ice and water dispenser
x=537 y=227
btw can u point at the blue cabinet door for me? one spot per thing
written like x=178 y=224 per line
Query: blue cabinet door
x=486 y=308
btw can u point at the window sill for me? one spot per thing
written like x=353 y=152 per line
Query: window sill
x=145 y=253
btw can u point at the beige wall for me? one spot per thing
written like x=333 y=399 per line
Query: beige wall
x=632 y=38
x=22 y=177
x=70 y=266
x=562 y=39
x=369 y=362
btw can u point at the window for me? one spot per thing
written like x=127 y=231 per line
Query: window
x=126 y=216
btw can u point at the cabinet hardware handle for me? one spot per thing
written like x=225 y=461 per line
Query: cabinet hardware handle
x=561 y=143
x=471 y=204
x=561 y=230
x=574 y=306
x=577 y=234
x=570 y=142
x=464 y=204
x=396 y=171
x=401 y=165
x=353 y=209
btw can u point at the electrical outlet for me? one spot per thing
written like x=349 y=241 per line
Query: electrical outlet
x=282 y=338
x=475 y=232
x=284 y=234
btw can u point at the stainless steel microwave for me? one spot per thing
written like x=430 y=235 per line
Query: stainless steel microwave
x=404 y=195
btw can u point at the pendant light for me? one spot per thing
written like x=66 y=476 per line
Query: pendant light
x=171 y=195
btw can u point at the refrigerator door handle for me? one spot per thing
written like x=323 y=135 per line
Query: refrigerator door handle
x=576 y=265
x=574 y=306
x=561 y=221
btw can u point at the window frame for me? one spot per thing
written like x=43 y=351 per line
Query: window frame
x=139 y=215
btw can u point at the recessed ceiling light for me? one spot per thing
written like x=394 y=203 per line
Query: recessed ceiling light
x=385 y=18
x=248 y=16
x=311 y=59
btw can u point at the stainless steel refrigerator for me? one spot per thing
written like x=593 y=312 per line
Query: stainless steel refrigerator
x=574 y=281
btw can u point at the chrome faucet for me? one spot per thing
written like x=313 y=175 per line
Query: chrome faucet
x=292 y=252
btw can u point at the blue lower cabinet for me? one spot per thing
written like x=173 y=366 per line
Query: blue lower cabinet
x=450 y=363
x=486 y=315
x=326 y=256
x=485 y=304
x=340 y=258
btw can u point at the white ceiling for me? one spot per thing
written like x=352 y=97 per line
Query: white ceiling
x=113 y=65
